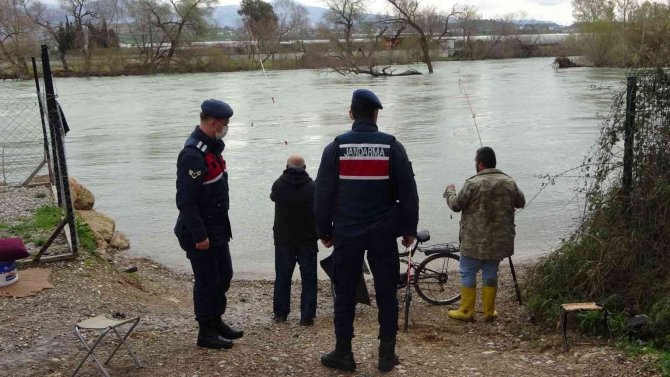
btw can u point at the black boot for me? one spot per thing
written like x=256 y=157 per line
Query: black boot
x=228 y=332
x=342 y=358
x=387 y=357
x=208 y=337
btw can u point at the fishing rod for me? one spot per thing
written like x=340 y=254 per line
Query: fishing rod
x=474 y=119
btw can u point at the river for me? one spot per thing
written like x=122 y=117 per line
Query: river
x=127 y=131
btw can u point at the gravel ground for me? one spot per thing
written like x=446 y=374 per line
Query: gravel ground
x=37 y=338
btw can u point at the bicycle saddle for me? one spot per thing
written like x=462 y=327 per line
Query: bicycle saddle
x=423 y=235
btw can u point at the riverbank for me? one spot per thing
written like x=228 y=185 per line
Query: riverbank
x=37 y=338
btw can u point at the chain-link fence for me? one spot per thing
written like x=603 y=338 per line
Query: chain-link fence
x=22 y=134
x=32 y=147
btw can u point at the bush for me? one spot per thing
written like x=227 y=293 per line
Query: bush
x=619 y=255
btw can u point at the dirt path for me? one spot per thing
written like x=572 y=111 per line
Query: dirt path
x=37 y=339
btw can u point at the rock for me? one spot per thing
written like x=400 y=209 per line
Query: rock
x=82 y=197
x=101 y=245
x=101 y=225
x=119 y=241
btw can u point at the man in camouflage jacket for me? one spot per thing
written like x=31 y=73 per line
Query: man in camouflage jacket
x=488 y=201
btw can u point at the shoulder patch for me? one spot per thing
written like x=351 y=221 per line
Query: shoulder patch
x=194 y=174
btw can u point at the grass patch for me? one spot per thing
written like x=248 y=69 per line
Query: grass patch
x=34 y=229
x=86 y=238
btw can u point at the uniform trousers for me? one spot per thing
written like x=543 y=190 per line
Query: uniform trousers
x=213 y=271
x=385 y=266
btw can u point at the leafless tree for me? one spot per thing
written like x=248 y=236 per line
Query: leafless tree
x=16 y=32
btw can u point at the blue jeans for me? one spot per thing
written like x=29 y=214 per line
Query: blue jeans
x=285 y=259
x=470 y=266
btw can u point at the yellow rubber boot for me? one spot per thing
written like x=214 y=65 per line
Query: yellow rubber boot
x=489 y=303
x=466 y=312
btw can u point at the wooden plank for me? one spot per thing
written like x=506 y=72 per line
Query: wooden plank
x=576 y=306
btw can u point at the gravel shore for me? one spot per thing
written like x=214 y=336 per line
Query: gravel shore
x=37 y=338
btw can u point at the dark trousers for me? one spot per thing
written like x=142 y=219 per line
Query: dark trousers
x=384 y=264
x=213 y=271
x=285 y=259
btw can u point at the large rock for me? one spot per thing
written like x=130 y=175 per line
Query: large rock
x=119 y=241
x=101 y=225
x=82 y=198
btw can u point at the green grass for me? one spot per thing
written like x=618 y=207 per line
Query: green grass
x=33 y=228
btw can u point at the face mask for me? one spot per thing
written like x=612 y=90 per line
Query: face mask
x=223 y=133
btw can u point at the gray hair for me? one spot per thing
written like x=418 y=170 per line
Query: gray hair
x=295 y=161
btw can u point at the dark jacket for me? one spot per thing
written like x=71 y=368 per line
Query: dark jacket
x=365 y=186
x=293 y=194
x=202 y=192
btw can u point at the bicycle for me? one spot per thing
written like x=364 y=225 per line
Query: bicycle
x=430 y=277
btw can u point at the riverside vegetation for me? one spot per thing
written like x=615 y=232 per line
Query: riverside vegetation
x=619 y=255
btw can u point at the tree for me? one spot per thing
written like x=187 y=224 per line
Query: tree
x=468 y=18
x=261 y=22
x=16 y=31
x=62 y=35
x=176 y=17
x=593 y=10
x=426 y=21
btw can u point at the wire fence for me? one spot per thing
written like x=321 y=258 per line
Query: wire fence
x=32 y=147
x=22 y=137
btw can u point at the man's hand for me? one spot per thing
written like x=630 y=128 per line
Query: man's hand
x=202 y=245
x=451 y=187
x=407 y=241
x=327 y=243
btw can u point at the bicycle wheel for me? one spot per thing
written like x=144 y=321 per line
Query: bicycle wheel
x=435 y=279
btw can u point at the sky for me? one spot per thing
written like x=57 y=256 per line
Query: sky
x=559 y=11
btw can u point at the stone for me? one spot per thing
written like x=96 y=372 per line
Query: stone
x=119 y=241
x=82 y=198
x=102 y=225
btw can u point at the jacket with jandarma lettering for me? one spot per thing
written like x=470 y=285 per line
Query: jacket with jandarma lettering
x=202 y=191
x=488 y=201
x=365 y=186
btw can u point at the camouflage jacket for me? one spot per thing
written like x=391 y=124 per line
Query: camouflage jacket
x=488 y=201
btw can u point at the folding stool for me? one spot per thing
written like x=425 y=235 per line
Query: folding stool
x=576 y=307
x=104 y=324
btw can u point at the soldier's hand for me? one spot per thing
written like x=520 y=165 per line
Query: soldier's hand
x=451 y=187
x=202 y=245
x=327 y=243
x=407 y=241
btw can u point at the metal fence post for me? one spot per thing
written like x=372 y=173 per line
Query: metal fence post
x=62 y=180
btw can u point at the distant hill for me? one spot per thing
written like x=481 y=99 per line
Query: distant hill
x=226 y=15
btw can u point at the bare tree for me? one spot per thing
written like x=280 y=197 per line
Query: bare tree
x=176 y=17
x=62 y=34
x=16 y=31
x=593 y=10
x=426 y=21
x=151 y=41
x=468 y=17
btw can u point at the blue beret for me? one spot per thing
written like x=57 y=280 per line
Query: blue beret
x=216 y=109
x=365 y=98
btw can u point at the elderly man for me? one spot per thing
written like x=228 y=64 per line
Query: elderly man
x=366 y=197
x=203 y=227
x=295 y=240
x=488 y=201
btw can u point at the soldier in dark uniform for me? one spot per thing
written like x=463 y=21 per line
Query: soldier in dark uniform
x=365 y=198
x=203 y=227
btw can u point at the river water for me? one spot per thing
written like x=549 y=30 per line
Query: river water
x=127 y=131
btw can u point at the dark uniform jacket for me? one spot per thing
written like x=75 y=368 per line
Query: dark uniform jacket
x=293 y=194
x=202 y=191
x=365 y=186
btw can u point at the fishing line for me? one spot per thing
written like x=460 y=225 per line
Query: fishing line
x=474 y=118
x=267 y=81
